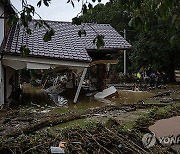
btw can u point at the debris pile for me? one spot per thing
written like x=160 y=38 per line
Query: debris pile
x=95 y=138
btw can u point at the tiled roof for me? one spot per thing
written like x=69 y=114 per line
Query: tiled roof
x=65 y=44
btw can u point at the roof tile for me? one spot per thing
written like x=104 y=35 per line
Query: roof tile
x=65 y=44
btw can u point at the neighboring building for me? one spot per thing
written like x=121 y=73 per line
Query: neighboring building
x=5 y=10
x=66 y=49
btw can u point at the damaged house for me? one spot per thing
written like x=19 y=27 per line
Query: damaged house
x=66 y=50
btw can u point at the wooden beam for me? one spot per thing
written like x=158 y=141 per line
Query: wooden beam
x=104 y=62
x=80 y=85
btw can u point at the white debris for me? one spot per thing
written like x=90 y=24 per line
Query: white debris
x=57 y=150
x=45 y=111
x=105 y=93
x=62 y=101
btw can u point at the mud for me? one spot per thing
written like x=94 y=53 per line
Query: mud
x=166 y=127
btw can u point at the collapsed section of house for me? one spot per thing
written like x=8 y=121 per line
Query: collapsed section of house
x=65 y=51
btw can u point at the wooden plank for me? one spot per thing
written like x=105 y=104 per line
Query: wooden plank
x=104 y=62
x=80 y=85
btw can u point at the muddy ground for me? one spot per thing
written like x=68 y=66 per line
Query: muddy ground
x=126 y=110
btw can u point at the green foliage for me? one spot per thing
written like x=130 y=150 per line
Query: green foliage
x=109 y=13
x=12 y=19
x=90 y=6
x=76 y=21
x=81 y=32
x=39 y=3
x=155 y=38
x=24 y=51
x=46 y=3
x=26 y=15
x=48 y=35
x=151 y=50
x=99 y=41
x=84 y=9
x=156 y=114
x=163 y=11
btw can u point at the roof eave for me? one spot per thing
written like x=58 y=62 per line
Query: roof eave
x=108 y=49
x=47 y=57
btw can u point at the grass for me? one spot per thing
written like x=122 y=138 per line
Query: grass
x=140 y=126
x=151 y=101
x=157 y=113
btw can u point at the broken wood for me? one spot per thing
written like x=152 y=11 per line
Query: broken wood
x=80 y=85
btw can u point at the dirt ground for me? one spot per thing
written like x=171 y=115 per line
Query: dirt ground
x=126 y=110
x=13 y=119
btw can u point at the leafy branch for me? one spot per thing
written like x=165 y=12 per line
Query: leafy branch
x=162 y=10
x=87 y=6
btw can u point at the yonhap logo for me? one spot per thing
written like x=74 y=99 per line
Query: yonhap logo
x=168 y=140
x=149 y=140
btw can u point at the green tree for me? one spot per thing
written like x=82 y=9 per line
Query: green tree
x=157 y=45
x=152 y=50
x=163 y=10
x=112 y=14
x=155 y=42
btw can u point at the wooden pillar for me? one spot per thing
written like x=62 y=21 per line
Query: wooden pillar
x=102 y=76
x=1 y=84
x=80 y=85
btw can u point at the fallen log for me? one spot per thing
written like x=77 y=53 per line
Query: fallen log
x=63 y=118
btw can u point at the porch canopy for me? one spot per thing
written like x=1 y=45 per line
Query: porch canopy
x=65 y=49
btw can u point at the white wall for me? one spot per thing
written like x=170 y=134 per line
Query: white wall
x=9 y=73
x=1 y=84
x=1 y=24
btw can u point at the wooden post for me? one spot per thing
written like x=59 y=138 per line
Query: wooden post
x=125 y=69
x=1 y=84
x=102 y=76
x=80 y=85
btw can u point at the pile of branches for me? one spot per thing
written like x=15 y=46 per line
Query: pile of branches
x=99 y=139
x=94 y=138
